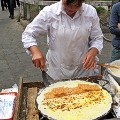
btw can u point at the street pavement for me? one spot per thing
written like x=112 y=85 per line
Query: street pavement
x=14 y=61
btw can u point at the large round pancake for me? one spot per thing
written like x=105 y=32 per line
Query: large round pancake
x=91 y=106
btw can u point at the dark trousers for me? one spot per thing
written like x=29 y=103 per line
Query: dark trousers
x=11 y=5
x=3 y=4
x=115 y=54
x=17 y=2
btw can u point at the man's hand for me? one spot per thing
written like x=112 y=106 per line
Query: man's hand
x=89 y=59
x=118 y=25
x=37 y=57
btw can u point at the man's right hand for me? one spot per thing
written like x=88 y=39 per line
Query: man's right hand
x=118 y=25
x=37 y=57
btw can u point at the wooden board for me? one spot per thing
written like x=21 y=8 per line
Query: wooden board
x=31 y=111
x=25 y=103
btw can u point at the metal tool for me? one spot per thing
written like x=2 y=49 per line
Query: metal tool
x=47 y=80
x=108 y=65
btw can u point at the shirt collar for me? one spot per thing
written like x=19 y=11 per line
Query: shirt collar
x=60 y=9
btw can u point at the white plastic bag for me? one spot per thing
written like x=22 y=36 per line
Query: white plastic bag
x=7 y=102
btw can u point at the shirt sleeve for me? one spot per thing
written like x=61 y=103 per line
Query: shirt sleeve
x=37 y=27
x=114 y=20
x=96 y=36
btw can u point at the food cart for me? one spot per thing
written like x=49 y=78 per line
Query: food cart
x=26 y=100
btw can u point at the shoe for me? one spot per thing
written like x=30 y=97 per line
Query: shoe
x=6 y=7
x=12 y=17
x=2 y=8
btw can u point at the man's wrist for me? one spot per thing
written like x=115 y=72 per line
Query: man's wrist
x=94 y=51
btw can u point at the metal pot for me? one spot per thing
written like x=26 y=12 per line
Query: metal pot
x=109 y=70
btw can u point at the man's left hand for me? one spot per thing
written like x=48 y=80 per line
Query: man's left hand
x=89 y=59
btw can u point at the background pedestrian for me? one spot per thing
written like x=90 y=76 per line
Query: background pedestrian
x=3 y=4
x=114 y=27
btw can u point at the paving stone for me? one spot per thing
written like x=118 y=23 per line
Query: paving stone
x=8 y=51
x=6 y=79
x=33 y=78
x=2 y=55
x=3 y=65
x=24 y=57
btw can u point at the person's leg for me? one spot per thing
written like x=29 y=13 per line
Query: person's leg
x=12 y=9
x=14 y=3
x=115 y=54
x=18 y=3
x=5 y=3
x=8 y=3
x=2 y=5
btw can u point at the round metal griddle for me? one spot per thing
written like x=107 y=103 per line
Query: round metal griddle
x=88 y=80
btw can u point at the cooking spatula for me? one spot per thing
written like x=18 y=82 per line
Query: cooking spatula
x=47 y=80
x=108 y=65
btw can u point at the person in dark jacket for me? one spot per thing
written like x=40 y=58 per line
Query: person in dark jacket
x=114 y=27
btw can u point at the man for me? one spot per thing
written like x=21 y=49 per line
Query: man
x=74 y=39
x=115 y=30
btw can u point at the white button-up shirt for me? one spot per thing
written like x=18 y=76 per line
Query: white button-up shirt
x=47 y=21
